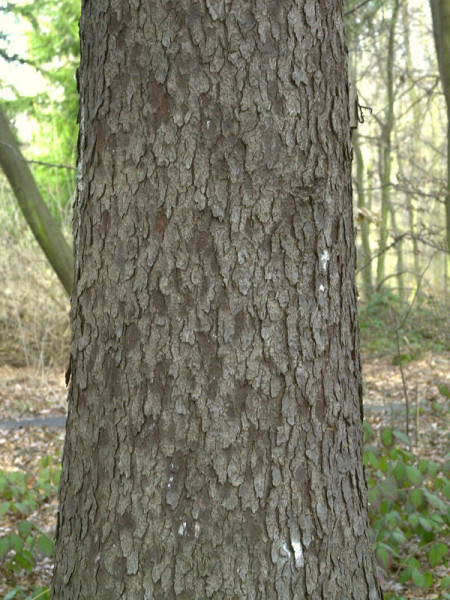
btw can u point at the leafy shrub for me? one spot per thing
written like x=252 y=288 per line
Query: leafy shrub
x=20 y=495
x=408 y=509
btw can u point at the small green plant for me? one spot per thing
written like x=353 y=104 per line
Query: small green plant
x=39 y=593
x=20 y=494
x=408 y=509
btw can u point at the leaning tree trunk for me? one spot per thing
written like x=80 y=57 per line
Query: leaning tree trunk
x=214 y=439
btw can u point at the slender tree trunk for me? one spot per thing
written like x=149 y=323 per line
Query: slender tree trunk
x=214 y=439
x=398 y=251
x=386 y=147
x=42 y=223
x=365 y=256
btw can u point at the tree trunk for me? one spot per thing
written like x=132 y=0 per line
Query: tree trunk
x=365 y=254
x=386 y=147
x=214 y=439
x=440 y=10
x=41 y=221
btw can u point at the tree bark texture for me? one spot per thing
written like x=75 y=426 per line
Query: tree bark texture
x=214 y=438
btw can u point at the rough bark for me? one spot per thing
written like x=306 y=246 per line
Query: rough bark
x=214 y=439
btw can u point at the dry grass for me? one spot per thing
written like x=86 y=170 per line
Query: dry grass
x=34 y=308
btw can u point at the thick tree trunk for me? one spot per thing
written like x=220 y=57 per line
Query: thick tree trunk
x=214 y=439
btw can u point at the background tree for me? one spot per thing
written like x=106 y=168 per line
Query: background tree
x=44 y=226
x=440 y=10
x=214 y=440
x=402 y=147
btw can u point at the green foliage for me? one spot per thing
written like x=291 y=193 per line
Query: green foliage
x=408 y=508
x=424 y=327
x=20 y=494
x=53 y=49
x=39 y=593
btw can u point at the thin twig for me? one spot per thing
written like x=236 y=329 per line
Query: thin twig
x=37 y=162
x=352 y=10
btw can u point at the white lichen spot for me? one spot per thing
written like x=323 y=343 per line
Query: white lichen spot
x=285 y=549
x=182 y=528
x=197 y=529
x=324 y=258
x=169 y=485
x=321 y=288
x=298 y=553
x=208 y=124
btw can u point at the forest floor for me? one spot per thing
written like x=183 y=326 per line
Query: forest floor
x=25 y=394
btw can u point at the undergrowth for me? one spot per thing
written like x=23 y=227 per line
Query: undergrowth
x=21 y=494
x=422 y=324
x=34 y=309
x=408 y=512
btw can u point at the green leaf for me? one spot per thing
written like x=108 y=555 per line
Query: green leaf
x=435 y=501
x=384 y=556
x=392 y=518
x=16 y=542
x=369 y=433
x=402 y=437
x=25 y=560
x=387 y=437
x=4 y=508
x=399 y=536
x=413 y=475
x=24 y=507
x=56 y=476
x=413 y=520
x=428 y=579
x=374 y=495
x=25 y=527
x=416 y=497
x=405 y=575
x=45 y=545
x=444 y=390
x=445 y=582
x=423 y=465
x=383 y=464
x=446 y=490
x=388 y=489
x=433 y=468
x=412 y=562
x=418 y=578
x=426 y=523
x=436 y=553
x=12 y=593
x=4 y=546
x=399 y=472
x=371 y=460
